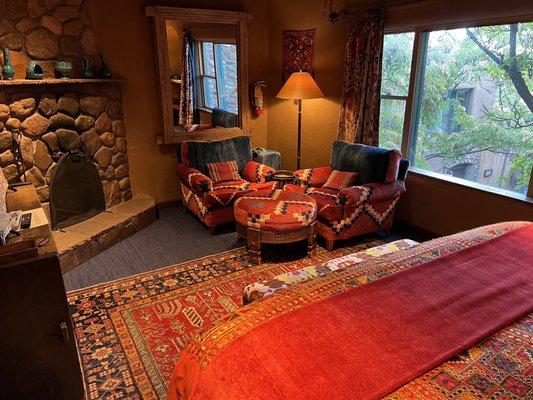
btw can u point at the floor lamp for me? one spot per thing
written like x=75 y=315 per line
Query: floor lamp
x=300 y=86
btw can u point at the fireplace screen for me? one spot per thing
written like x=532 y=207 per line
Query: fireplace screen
x=76 y=192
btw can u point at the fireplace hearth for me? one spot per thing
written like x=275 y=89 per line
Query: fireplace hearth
x=76 y=192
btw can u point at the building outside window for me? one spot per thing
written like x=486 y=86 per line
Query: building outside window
x=217 y=75
x=472 y=108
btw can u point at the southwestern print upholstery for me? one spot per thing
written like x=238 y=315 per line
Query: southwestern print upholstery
x=340 y=179
x=275 y=210
x=223 y=171
x=255 y=172
x=355 y=210
x=258 y=290
x=210 y=200
x=312 y=177
x=359 y=115
x=497 y=368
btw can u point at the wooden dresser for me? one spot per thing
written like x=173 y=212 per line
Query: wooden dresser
x=38 y=356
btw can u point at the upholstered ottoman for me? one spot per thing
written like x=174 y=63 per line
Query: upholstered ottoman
x=275 y=216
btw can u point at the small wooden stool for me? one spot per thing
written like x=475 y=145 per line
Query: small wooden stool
x=275 y=216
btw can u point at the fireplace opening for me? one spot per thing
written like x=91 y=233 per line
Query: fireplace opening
x=76 y=191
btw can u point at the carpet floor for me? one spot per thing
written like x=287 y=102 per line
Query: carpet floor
x=129 y=332
x=173 y=238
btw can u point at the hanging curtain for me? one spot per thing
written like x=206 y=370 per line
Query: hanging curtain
x=186 y=110
x=359 y=116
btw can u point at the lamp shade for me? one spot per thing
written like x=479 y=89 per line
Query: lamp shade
x=300 y=85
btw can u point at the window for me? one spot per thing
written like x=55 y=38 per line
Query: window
x=397 y=54
x=471 y=114
x=217 y=75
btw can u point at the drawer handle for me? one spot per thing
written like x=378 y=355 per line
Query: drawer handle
x=64 y=332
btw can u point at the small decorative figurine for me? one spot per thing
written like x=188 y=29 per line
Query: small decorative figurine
x=7 y=69
x=63 y=69
x=87 y=67
x=34 y=71
x=104 y=71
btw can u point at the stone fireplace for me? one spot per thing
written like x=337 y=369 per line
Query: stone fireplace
x=44 y=123
x=76 y=192
x=58 y=119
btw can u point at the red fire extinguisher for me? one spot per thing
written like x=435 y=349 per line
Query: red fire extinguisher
x=257 y=95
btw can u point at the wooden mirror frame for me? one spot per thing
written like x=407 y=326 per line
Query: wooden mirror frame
x=161 y=14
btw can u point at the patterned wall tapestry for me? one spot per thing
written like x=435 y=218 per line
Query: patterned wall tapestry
x=298 y=51
x=359 y=116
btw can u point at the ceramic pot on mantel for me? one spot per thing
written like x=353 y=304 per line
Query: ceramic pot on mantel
x=34 y=71
x=63 y=69
x=104 y=71
x=7 y=69
x=87 y=67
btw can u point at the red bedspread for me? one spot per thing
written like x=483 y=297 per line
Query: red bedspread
x=367 y=341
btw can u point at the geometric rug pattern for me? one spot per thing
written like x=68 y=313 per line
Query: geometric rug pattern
x=130 y=332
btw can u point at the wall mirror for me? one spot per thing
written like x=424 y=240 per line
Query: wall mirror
x=202 y=65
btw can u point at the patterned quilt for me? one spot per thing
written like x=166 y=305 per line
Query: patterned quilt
x=259 y=290
x=500 y=367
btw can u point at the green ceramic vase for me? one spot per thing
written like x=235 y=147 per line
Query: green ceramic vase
x=7 y=69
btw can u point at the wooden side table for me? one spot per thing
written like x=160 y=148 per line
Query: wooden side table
x=283 y=176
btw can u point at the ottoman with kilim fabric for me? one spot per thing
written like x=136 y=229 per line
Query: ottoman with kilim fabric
x=275 y=216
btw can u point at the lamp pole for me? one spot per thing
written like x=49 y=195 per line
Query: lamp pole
x=299 y=148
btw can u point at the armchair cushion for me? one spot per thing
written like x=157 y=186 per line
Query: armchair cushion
x=194 y=179
x=255 y=172
x=374 y=164
x=313 y=177
x=327 y=204
x=372 y=192
x=340 y=179
x=223 y=171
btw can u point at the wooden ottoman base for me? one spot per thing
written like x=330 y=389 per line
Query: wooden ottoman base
x=255 y=237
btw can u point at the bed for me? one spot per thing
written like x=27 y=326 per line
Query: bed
x=449 y=318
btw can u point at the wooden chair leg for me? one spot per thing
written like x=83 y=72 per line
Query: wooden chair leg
x=253 y=238
x=329 y=244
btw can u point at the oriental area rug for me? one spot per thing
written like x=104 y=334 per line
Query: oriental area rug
x=130 y=331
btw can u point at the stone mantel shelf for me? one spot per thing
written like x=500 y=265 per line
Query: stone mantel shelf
x=69 y=81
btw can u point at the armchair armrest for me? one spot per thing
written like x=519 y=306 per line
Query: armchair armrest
x=371 y=192
x=312 y=177
x=194 y=179
x=256 y=172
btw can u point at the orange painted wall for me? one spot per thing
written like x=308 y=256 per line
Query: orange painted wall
x=435 y=205
x=430 y=204
x=124 y=33
x=320 y=116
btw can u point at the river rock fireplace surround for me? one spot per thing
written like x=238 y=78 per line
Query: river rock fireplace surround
x=47 y=123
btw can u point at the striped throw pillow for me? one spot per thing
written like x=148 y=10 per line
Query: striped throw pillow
x=339 y=180
x=223 y=171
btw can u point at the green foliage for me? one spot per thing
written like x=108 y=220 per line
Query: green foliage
x=449 y=132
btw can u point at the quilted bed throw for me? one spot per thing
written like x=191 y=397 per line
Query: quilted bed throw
x=365 y=342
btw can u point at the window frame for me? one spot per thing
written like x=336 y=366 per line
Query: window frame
x=414 y=96
x=201 y=76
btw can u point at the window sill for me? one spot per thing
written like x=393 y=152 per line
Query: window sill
x=472 y=185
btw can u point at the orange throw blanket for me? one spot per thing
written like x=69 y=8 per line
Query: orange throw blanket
x=368 y=341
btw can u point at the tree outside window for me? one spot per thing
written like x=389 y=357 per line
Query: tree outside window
x=473 y=114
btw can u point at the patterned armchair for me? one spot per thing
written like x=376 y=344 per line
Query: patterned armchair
x=211 y=200
x=365 y=201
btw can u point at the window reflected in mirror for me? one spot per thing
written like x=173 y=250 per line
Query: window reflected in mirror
x=203 y=67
